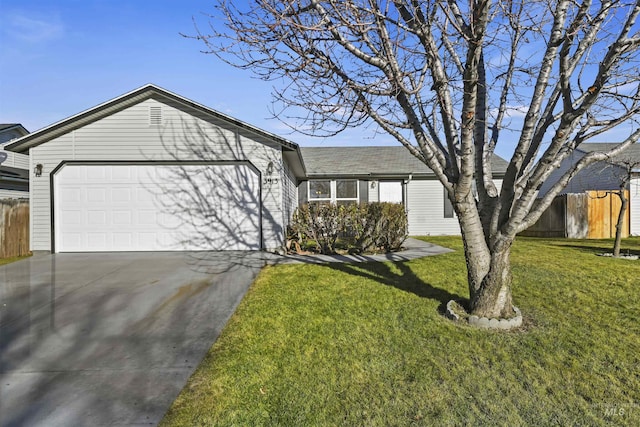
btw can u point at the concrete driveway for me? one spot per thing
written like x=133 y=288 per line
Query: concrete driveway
x=110 y=338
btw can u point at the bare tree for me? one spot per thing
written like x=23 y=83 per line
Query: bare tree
x=444 y=78
x=621 y=169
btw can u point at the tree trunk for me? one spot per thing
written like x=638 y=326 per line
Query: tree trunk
x=488 y=269
x=620 y=224
x=493 y=298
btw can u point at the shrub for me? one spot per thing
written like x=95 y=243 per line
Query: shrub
x=367 y=227
x=321 y=223
x=378 y=227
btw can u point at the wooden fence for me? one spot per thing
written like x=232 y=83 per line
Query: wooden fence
x=592 y=215
x=604 y=208
x=14 y=228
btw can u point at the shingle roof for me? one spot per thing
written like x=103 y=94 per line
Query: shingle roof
x=18 y=126
x=374 y=161
x=632 y=152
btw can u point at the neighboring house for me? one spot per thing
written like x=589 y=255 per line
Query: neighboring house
x=602 y=176
x=151 y=170
x=14 y=169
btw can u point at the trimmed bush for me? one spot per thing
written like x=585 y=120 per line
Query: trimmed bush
x=320 y=223
x=367 y=227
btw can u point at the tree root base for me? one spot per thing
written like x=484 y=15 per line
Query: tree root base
x=621 y=256
x=454 y=313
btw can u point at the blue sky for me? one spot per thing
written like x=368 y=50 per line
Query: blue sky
x=61 y=57
x=64 y=56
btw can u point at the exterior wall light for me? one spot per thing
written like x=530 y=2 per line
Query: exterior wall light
x=37 y=171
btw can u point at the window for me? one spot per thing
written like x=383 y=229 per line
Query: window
x=339 y=191
x=346 y=192
x=319 y=189
x=448 y=207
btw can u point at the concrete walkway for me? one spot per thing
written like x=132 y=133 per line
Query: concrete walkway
x=413 y=249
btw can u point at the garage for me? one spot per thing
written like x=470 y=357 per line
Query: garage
x=156 y=207
x=151 y=170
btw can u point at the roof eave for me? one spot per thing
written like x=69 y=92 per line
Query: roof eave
x=131 y=98
x=18 y=127
x=375 y=176
x=371 y=176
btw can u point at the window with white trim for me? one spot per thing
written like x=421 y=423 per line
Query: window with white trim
x=337 y=191
x=319 y=191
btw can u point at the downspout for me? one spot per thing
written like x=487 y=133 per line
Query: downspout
x=405 y=191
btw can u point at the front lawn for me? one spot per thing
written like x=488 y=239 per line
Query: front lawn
x=367 y=345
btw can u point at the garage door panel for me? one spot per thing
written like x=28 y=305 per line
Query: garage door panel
x=97 y=175
x=122 y=174
x=121 y=195
x=72 y=218
x=96 y=218
x=71 y=239
x=96 y=241
x=123 y=240
x=70 y=195
x=97 y=195
x=146 y=208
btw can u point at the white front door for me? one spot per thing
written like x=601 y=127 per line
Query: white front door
x=390 y=191
x=156 y=207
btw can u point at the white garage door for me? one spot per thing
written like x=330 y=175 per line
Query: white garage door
x=156 y=208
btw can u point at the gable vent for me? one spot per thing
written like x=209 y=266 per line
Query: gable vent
x=155 y=116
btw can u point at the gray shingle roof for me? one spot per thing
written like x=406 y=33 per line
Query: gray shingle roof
x=17 y=126
x=632 y=152
x=375 y=161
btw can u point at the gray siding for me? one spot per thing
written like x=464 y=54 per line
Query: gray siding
x=373 y=192
x=425 y=209
x=127 y=135
x=15 y=160
x=13 y=194
x=289 y=194
x=303 y=196
x=598 y=176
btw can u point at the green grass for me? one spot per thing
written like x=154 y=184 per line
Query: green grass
x=367 y=345
x=4 y=261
